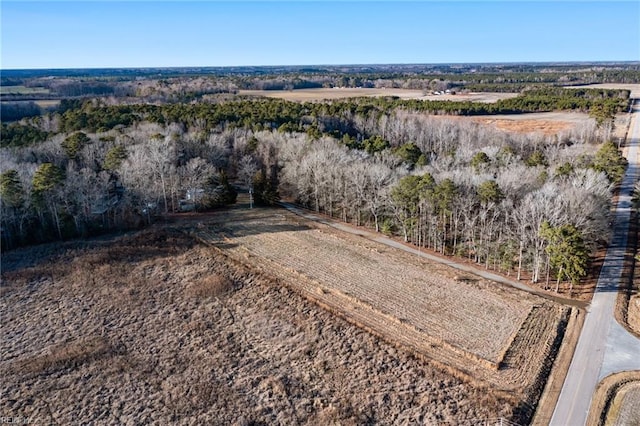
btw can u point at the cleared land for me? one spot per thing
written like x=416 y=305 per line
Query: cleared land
x=154 y=328
x=23 y=90
x=546 y=123
x=48 y=103
x=310 y=95
x=496 y=335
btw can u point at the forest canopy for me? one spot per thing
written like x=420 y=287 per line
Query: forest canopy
x=527 y=204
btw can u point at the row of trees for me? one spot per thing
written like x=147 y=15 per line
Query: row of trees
x=523 y=204
x=335 y=118
x=79 y=184
x=504 y=214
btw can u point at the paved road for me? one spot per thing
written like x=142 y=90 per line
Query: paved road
x=604 y=347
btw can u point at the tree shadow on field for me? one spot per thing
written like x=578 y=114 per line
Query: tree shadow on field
x=59 y=259
x=257 y=229
x=522 y=414
x=248 y=222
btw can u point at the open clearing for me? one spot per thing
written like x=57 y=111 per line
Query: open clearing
x=23 y=90
x=498 y=336
x=310 y=95
x=546 y=123
x=48 y=103
x=154 y=328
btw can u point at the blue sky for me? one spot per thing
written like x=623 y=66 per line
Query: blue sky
x=90 y=34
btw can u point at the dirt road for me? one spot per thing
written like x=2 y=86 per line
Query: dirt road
x=604 y=347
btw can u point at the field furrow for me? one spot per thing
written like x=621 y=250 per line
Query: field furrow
x=479 y=328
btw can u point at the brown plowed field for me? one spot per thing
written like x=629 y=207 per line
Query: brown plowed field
x=499 y=336
x=545 y=123
x=152 y=328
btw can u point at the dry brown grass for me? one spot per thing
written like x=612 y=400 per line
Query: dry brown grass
x=546 y=123
x=545 y=127
x=634 y=311
x=370 y=276
x=311 y=95
x=558 y=373
x=65 y=355
x=625 y=407
x=210 y=286
x=616 y=401
x=47 y=103
x=113 y=332
x=480 y=330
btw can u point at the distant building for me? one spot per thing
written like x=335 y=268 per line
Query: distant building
x=189 y=202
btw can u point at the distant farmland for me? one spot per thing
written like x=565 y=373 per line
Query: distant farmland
x=309 y=95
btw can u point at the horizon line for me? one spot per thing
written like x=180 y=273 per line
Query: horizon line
x=567 y=62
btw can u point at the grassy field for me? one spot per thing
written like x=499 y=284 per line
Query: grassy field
x=310 y=95
x=546 y=123
x=498 y=336
x=152 y=327
x=48 y=103
x=22 y=90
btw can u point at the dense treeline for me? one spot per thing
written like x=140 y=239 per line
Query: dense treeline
x=528 y=205
x=78 y=184
x=15 y=134
x=13 y=111
x=316 y=118
x=505 y=201
x=543 y=214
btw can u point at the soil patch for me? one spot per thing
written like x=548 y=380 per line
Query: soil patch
x=153 y=328
x=483 y=332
